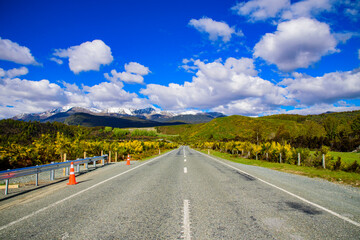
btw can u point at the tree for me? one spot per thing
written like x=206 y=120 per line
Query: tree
x=330 y=125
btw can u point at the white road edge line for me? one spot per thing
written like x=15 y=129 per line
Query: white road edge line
x=186 y=222
x=78 y=193
x=292 y=194
x=185 y=169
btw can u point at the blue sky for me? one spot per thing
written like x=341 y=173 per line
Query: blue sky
x=251 y=58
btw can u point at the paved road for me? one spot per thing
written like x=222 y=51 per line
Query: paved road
x=183 y=195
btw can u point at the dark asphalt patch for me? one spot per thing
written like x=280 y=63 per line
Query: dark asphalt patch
x=303 y=208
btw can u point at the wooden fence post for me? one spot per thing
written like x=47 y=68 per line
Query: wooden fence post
x=323 y=160
x=299 y=159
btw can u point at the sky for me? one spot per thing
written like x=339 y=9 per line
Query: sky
x=251 y=58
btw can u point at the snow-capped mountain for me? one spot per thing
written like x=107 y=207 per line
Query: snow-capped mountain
x=149 y=113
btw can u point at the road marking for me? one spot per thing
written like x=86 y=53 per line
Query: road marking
x=292 y=194
x=186 y=222
x=185 y=169
x=185 y=160
x=78 y=193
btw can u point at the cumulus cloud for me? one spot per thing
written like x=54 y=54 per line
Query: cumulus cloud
x=86 y=56
x=134 y=73
x=306 y=8
x=296 y=44
x=216 y=84
x=13 y=52
x=137 y=68
x=215 y=29
x=258 y=10
x=328 y=88
x=11 y=73
x=27 y=96
x=322 y=108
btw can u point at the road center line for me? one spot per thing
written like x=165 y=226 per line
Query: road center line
x=185 y=160
x=78 y=193
x=186 y=222
x=185 y=169
x=292 y=194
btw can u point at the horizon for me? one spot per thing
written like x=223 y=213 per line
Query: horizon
x=248 y=58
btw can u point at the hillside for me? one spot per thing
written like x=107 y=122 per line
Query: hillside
x=89 y=120
x=337 y=130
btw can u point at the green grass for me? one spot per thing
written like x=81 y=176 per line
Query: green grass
x=346 y=157
x=341 y=177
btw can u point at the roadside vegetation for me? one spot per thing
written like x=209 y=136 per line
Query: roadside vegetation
x=32 y=143
x=338 y=176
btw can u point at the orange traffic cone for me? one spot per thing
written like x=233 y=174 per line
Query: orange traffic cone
x=128 y=160
x=72 y=180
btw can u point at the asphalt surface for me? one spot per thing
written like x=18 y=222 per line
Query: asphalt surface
x=184 y=195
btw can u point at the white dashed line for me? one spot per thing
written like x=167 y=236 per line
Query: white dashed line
x=185 y=169
x=186 y=222
x=185 y=160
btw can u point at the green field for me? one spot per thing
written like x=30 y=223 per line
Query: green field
x=346 y=157
x=341 y=177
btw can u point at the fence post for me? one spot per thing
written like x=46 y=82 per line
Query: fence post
x=323 y=160
x=108 y=157
x=299 y=159
x=209 y=151
x=37 y=177
x=280 y=157
x=7 y=186
x=116 y=157
x=94 y=164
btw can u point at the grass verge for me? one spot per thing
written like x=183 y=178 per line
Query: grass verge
x=341 y=177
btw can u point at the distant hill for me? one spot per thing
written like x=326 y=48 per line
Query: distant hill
x=89 y=120
x=275 y=127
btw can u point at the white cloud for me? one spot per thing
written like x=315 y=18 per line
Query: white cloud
x=306 y=8
x=13 y=52
x=322 y=108
x=245 y=107
x=258 y=10
x=26 y=96
x=137 y=68
x=216 y=84
x=328 y=88
x=296 y=44
x=124 y=76
x=134 y=73
x=215 y=29
x=86 y=56
x=57 y=60
x=15 y=72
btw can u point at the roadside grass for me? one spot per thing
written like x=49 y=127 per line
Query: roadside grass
x=341 y=177
x=346 y=157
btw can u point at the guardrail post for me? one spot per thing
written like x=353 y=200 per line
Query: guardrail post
x=7 y=186
x=37 y=177
x=94 y=164
x=87 y=166
x=78 y=168
x=52 y=173
x=103 y=161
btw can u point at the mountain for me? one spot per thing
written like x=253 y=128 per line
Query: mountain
x=119 y=117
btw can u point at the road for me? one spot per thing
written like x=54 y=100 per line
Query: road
x=184 y=195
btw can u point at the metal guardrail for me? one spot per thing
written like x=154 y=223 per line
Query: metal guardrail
x=19 y=172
